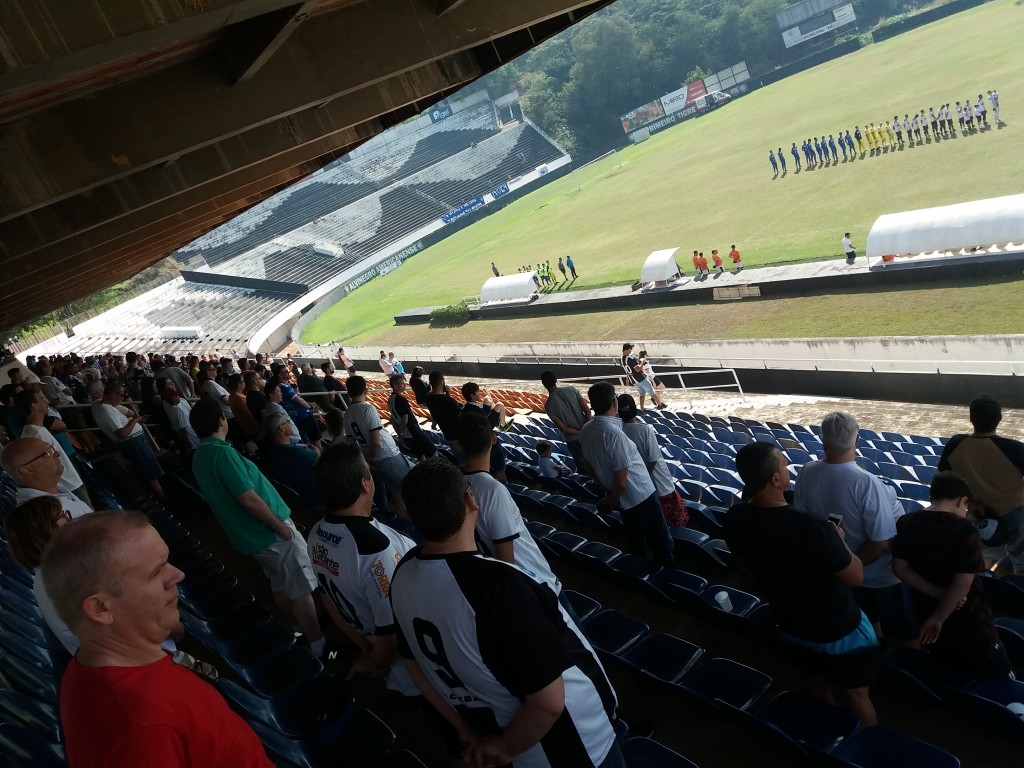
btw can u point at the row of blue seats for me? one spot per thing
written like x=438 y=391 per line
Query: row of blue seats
x=987 y=699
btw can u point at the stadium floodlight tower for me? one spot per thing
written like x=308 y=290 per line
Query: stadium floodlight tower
x=660 y=269
x=993 y=228
x=509 y=289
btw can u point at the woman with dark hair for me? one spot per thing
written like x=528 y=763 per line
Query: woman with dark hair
x=418 y=386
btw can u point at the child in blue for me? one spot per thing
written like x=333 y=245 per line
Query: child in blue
x=771 y=159
x=796 y=156
x=832 y=147
x=782 y=160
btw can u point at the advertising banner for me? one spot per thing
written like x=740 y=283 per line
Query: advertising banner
x=440 y=112
x=808 y=30
x=695 y=90
x=498 y=191
x=641 y=116
x=462 y=210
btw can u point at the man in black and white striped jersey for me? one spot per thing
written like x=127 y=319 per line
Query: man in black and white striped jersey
x=490 y=647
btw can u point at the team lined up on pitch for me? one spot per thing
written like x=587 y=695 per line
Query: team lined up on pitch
x=920 y=128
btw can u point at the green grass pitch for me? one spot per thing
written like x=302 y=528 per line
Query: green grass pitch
x=707 y=184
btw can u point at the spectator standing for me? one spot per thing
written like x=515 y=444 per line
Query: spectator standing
x=404 y=420
x=248 y=427
x=646 y=441
x=634 y=369
x=179 y=376
x=805 y=571
x=993 y=467
x=869 y=510
x=569 y=411
x=618 y=468
x=362 y=424
x=489 y=646
x=494 y=269
x=561 y=268
x=444 y=410
x=123 y=701
x=354 y=558
x=500 y=530
x=419 y=387
x=936 y=554
x=848 y=249
x=255 y=519
x=346 y=362
x=386 y=367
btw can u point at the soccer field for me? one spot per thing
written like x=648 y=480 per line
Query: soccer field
x=708 y=184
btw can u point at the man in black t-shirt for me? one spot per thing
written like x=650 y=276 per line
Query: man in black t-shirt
x=444 y=409
x=805 y=571
x=936 y=553
x=404 y=420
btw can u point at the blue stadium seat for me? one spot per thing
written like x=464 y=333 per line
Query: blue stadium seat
x=663 y=658
x=914 y=490
x=613 y=632
x=914 y=673
x=645 y=753
x=280 y=672
x=723 y=681
x=1004 y=594
x=597 y=556
x=634 y=568
x=691 y=490
x=49 y=661
x=582 y=605
x=1011 y=632
x=680 y=587
x=743 y=603
x=22 y=710
x=25 y=677
x=365 y=740
x=403 y=758
x=987 y=701
x=881 y=747
x=896 y=472
x=320 y=707
x=539 y=530
x=911 y=505
x=27 y=748
x=926 y=472
x=563 y=545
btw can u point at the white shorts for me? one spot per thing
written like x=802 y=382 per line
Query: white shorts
x=286 y=564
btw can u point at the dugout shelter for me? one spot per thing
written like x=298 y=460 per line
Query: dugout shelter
x=509 y=288
x=660 y=269
x=991 y=226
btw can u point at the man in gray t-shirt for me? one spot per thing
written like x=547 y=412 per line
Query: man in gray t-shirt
x=569 y=411
x=869 y=509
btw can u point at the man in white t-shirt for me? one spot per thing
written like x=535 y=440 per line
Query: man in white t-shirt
x=869 y=510
x=500 y=530
x=127 y=435
x=36 y=467
x=646 y=441
x=57 y=393
x=354 y=558
x=851 y=254
x=33 y=407
x=362 y=423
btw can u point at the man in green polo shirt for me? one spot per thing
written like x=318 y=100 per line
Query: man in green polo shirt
x=255 y=518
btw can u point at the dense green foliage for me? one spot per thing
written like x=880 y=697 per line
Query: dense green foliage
x=577 y=84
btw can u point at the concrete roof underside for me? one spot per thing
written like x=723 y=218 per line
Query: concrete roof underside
x=128 y=129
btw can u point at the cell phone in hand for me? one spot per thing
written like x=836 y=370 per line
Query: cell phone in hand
x=836 y=520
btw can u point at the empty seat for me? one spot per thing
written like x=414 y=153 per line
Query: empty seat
x=646 y=753
x=584 y=607
x=663 y=658
x=881 y=747
x=723 y=680
x=613 y=632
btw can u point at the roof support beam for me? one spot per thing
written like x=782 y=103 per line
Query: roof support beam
x=247 y=46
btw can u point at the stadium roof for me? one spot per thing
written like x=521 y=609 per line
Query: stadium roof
x=128 y=129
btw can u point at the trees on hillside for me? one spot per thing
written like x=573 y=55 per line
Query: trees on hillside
x=576 y=85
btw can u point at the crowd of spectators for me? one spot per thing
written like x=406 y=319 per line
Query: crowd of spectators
x=472 y=624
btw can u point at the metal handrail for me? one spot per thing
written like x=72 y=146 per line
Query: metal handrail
x=624 y=381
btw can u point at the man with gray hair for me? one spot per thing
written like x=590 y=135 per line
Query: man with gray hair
x=868 y=509
x=123 y=701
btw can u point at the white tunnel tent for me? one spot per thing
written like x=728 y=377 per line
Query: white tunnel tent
x=509 y=288
x=660 y=268
x=979 y=227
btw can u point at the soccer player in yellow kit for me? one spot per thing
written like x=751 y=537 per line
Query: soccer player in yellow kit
x=884 y=125
x=869 y=134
